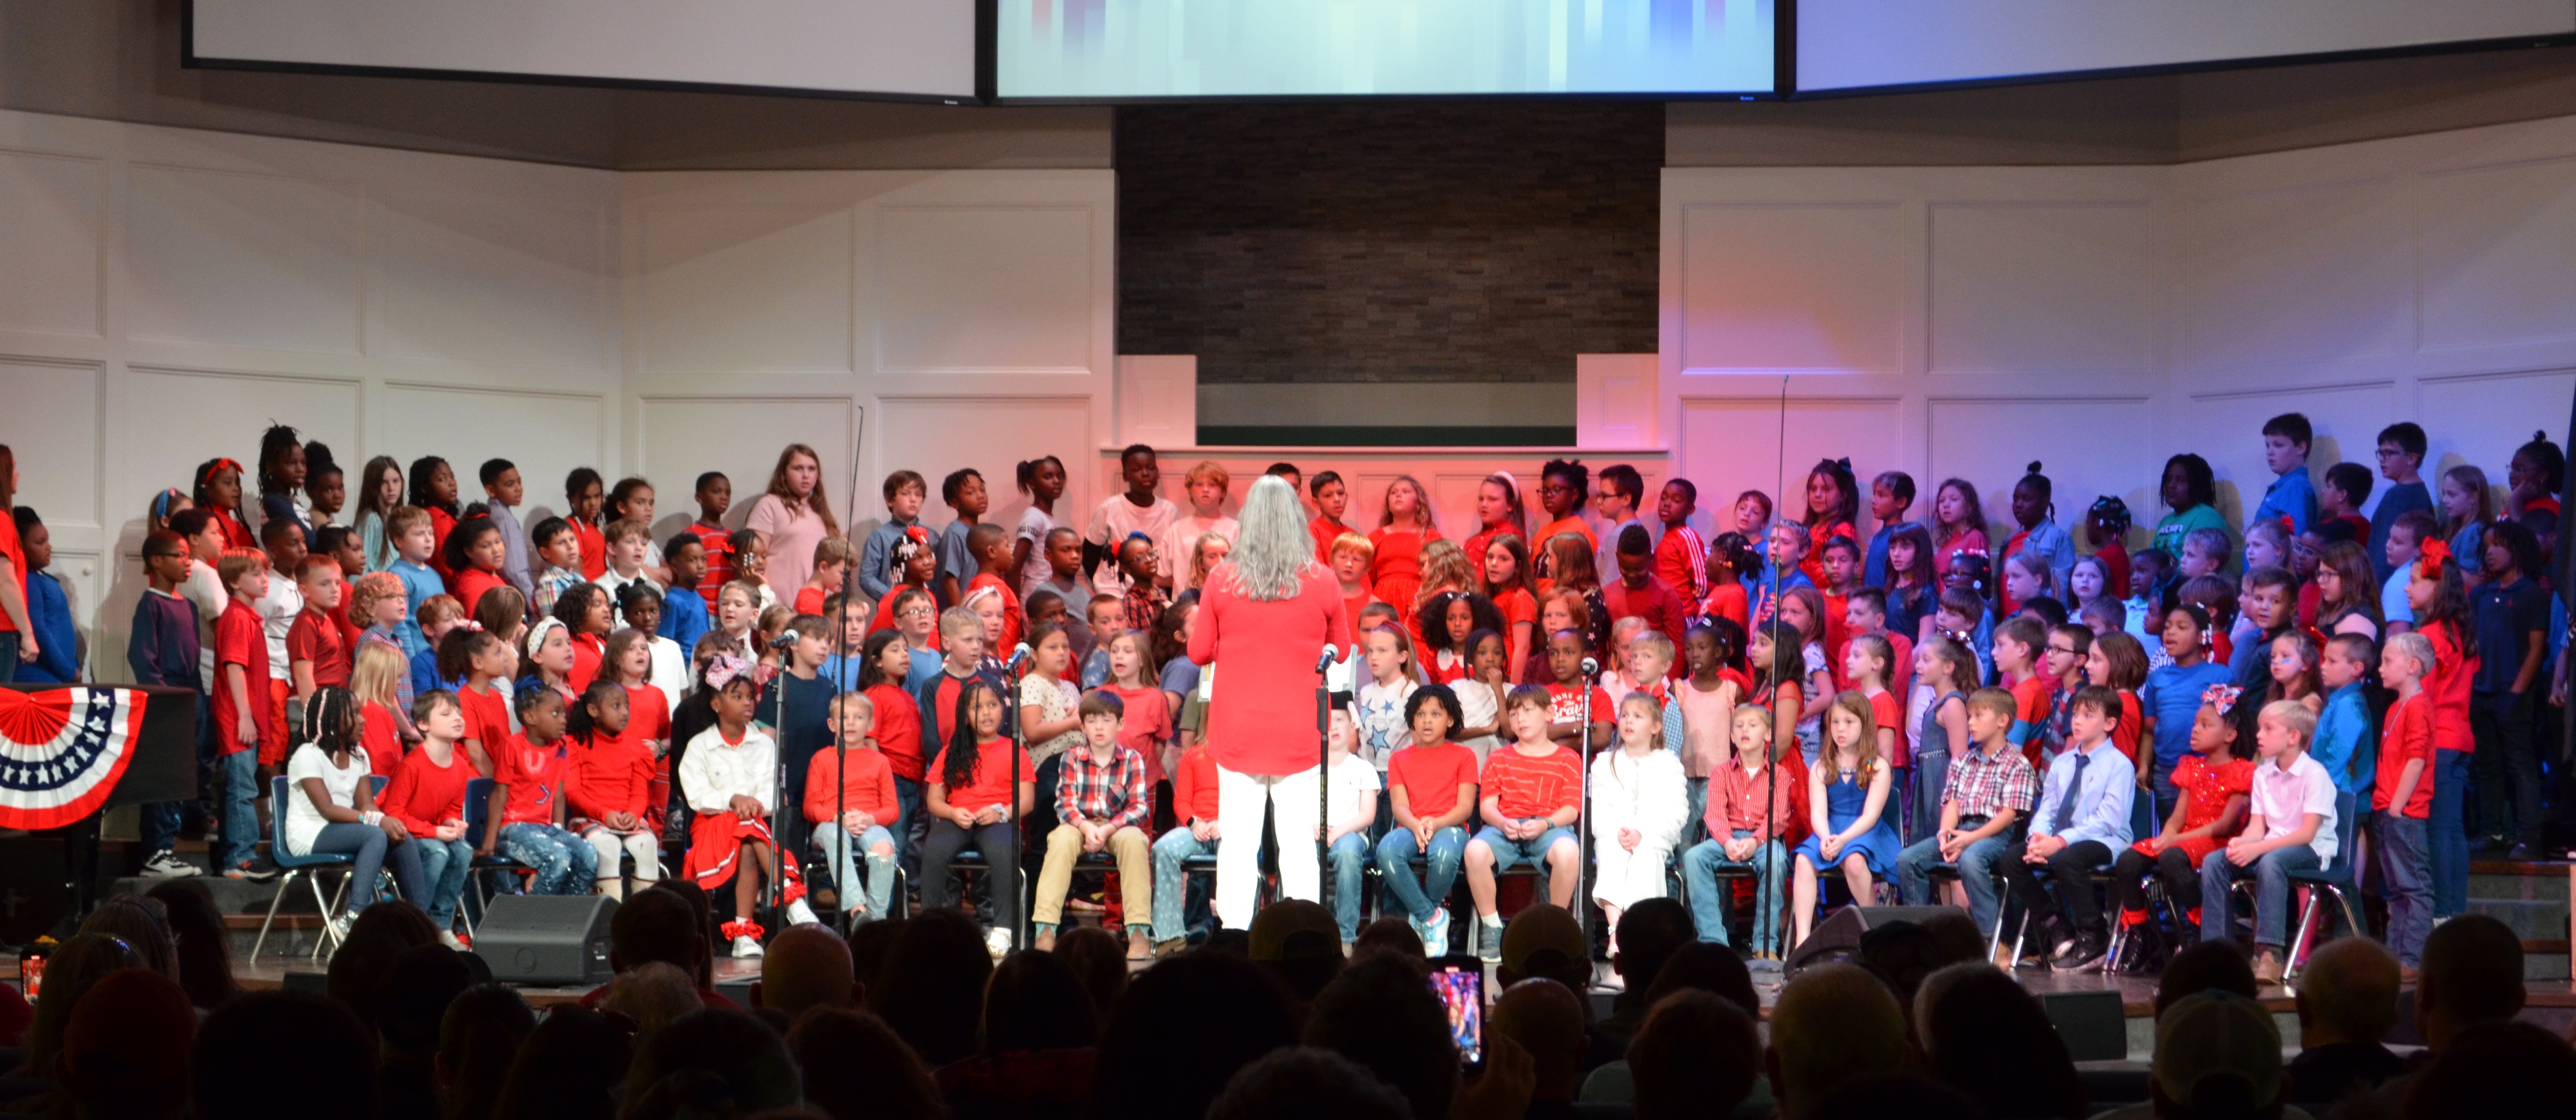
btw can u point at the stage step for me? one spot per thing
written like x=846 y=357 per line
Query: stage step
x=2529 y=897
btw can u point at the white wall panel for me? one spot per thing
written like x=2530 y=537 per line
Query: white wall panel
x=2042 y=286
x=175 y=419
x=544 y=434
x=2482 y=418
x=51 y=426
x=1732 y=445
x=745 y=288
x=51 y=238
x=1791 y=286
x=487 y=280
x=679 y=437
x=2497 y=242
x=248 y=260
x=2227 y=430
x=2087 y=447
x=2302 y=271
x=923 y=433
x=985 y=288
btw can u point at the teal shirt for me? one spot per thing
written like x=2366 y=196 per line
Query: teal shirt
x=2175 y=526
x=2342 y=742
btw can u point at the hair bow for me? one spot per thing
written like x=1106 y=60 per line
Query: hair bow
x=537 y=633
x=216 y=468
x=2438 y=551
x=1844 y=462
x=477 y=627
x=2223 y=695
x=1960 y=636
x=2112 y=513
x=724 y=670
x=2288 y=526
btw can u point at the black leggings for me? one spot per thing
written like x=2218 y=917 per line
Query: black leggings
x=2129 y=878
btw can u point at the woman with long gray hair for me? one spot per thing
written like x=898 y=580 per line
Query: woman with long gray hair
x=1267 y=615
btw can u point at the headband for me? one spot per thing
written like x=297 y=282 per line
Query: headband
x=215 y=468
x=161 y=502
x=1511 y=485
x=537 y=633
x=724 y=670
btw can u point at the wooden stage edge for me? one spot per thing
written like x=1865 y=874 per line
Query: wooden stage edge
x=2137 y=993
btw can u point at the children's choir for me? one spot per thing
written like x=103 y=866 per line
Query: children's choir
x=1780 y=705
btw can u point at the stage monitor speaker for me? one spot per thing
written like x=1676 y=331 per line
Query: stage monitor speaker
x=318 y=983
x=1839 y=937
x=2094 y=1025
x=546 y=940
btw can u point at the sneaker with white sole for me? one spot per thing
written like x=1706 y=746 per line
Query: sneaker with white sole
x=249 y=874
x=998 y=943
x=799 y=914
x=1435 y=934
x=745 y=945
x=340 y=926
x=447 y=937
x=166 y=864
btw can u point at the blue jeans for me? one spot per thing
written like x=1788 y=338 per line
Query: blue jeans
x=1708 y=899
x=1695 y=827
x=2271 y=875
x=564 y=863
x=1347 y=859
x=1508 y=852
x=837 y=847
x=443 y=864
x=1421 y=898
x=368 y=843
x=1976 y=874
x=2448 y=829
x=9 y=654
x=1171 y=882
x=240 y=771
x=2405 y=875
x=2160 y=777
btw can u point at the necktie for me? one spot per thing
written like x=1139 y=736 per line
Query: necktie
x=2074 y=789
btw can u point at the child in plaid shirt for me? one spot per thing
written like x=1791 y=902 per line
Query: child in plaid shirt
x=559 y=549
x=1103 y=804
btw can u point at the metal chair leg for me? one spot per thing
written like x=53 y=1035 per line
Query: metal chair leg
x=273 y=903
x=328 y=935
x=2299 y=940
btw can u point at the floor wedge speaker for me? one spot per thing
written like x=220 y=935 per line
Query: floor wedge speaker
x=1838 y=938
x=551 y=941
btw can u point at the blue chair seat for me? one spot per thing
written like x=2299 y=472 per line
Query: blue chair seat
x=307 y=867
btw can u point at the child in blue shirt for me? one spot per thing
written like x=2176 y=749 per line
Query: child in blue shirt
x=2344 y=743
x=684 y=611
x=49 y=613
x=2171 y=697
x=2293 y=494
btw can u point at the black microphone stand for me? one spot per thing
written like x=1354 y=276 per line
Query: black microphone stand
x=1017 y=669
x=1582 y=904
x=1323 y=765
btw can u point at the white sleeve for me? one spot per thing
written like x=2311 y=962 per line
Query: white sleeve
x=1607 y=812
x=1667 y=805
x=698 y=785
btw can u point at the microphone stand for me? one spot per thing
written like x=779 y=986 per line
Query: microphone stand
x=1582 y=904
x=1323 y=765
x=1017 y=669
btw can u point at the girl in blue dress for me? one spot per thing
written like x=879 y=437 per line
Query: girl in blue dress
x=1846 y=793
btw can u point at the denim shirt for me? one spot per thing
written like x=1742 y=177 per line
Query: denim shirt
x=2342 y=742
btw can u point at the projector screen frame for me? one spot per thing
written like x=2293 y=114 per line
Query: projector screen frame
x=985 y=11
x=1786 y=69
x=1784 y=58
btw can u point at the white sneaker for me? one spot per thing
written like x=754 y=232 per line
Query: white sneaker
x=746 y=945
x=799 y=914
x=1435 y=934
x=998 y=943
x=166 y=864
x=340 y=926
x=447 y=937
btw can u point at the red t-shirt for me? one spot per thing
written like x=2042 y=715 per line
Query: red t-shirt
x=648 y=713
x=991 y=784
x=469 y=585
x=594 y=547
x=809 y=600
x=609 y=775
x=587 y=649
x=1147 y=723
x=867 y=785
x=2449 y=686
x=380 y=732
x=316 y=638
x=1889 y=713
x=16 y=551
x=1565 y=704
x=2407 y=733
x=1325 y=531
x=240 y=641
x=1726 y=600
x=2133 y=726
x=426 y=794
x=719 y=546
x=535 y=777
x=2030 y=710
x=1430 y=777
x=898 y=729
x=1194 y=788
x=1012 y=626
x=487 y=718
x=1524 y=787
x=441 y=523
x=1655 y=602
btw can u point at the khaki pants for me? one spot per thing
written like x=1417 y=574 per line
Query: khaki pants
x=1129 y=846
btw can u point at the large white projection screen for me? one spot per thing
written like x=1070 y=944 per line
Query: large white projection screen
x=904 y=48
x=1858 y=44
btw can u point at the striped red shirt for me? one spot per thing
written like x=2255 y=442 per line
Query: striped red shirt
x=1525 y=786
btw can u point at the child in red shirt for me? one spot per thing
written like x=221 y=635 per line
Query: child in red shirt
x=850 y=800
x=1194 y=801
x=428 y=796
x=315 y=645
x=1431 y=791
x=610 y=786
x=2016 y=651
x=715 y=495
x=2404 y=796
x=246 y=728
x=1565 y=696
x=833 y=557
x=528 y=804
x=1533 y=792
x=976 y=797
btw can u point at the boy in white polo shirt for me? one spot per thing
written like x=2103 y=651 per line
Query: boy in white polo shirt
x=2289 y=827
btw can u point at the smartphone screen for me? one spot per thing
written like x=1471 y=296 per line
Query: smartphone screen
x=1462 y=995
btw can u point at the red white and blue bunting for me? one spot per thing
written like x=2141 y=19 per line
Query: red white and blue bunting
x=62 y=752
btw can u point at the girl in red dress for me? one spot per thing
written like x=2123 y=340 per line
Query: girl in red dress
x=1396 y=571
x=1833 y=499
x=2213 y=784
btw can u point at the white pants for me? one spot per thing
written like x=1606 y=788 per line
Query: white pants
x=1621 y=877
x=1240 y=799
x=641 y=844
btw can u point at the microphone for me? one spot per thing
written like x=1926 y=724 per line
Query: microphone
x=1591 y=668
x=1330 y=655
x=786 y=639
x=1020 y=655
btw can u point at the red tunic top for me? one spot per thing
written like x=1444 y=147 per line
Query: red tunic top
x=1396 y=573
x=2210 y=788
x=1261 y=710
x=2449 y=687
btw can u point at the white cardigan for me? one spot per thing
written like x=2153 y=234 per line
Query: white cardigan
x=714 y=772
x=1648 y=794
